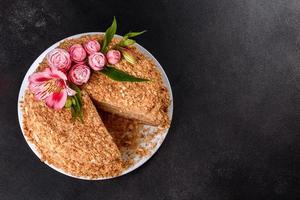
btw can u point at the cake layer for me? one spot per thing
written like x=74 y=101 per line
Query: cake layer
x=145 y=101
x=81 y=149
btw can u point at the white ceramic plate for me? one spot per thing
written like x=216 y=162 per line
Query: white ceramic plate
x=139 y=161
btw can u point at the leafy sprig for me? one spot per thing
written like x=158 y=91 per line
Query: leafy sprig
x=112 y=72
x=126 y=41
x=109 y=34
x=75 y=103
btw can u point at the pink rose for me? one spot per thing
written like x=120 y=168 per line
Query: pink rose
x=59 y=59
x=92 y=46
x=97 y=61
x=113 y=56
x=77 y=53
x=79 y=74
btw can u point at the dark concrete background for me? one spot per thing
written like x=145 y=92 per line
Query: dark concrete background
x=234 y=67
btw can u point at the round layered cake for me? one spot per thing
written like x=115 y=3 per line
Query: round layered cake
x=93 y=109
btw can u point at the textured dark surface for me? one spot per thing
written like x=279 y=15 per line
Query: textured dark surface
x=234 y=67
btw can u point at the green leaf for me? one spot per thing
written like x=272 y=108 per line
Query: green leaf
x=76 y=106
x=127 y=42
x=118 y=75
x=78 y=92
x=109 y=34
x=133 y=34
x=73 y=101
x=73 y=112
x=68 y=103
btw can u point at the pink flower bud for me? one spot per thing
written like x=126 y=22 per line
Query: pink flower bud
x=79 y=74
x=77 y=53
x=92 y=46
x=113 y=56
x=97 y=61
x=59 y=59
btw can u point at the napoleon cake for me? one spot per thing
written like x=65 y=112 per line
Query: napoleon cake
x=59 y=107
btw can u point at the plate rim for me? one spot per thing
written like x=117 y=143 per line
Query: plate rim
x=33 y=67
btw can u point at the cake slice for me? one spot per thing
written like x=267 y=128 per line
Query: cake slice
x=144 y=101
x=81 y=149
